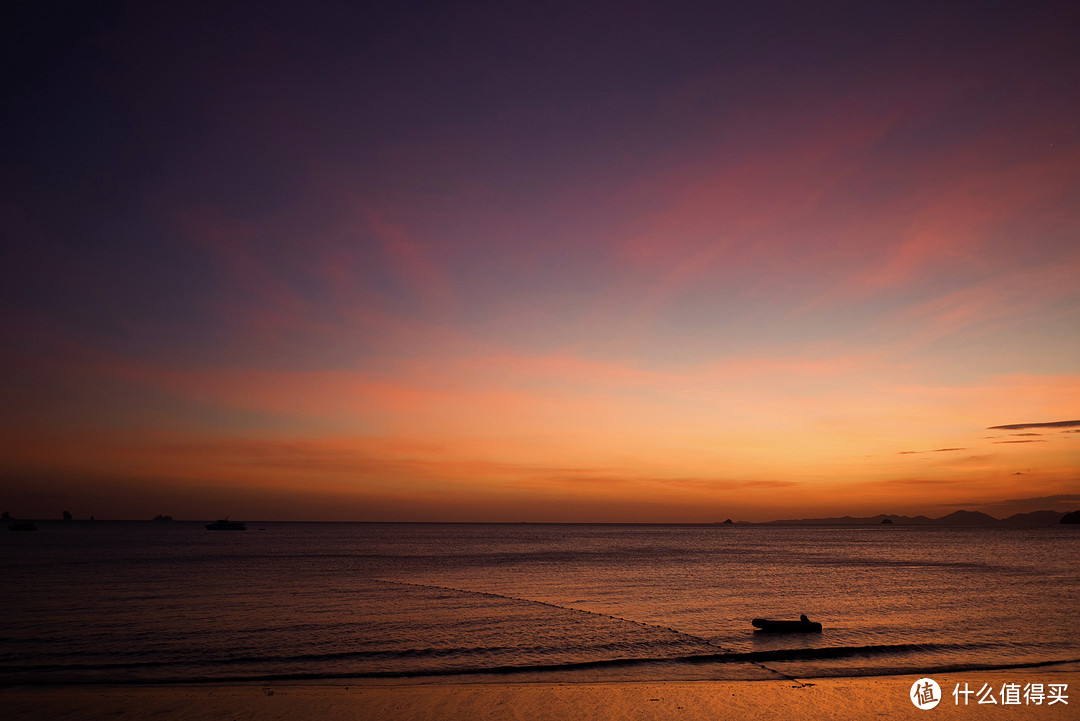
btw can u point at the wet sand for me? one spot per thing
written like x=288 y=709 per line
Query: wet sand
x=833 y=698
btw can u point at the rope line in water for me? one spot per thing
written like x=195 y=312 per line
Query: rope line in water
x=699 y=639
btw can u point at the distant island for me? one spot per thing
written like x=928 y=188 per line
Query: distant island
x=956 y=518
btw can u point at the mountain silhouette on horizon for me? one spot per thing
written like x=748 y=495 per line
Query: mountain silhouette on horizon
x=956 y=518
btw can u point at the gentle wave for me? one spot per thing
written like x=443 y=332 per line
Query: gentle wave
x=754 y=657
x=929 y=669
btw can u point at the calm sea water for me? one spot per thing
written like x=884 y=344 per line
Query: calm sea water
x=173 y=602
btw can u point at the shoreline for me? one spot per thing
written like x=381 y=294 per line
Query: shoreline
x=842 y=697
x=615 y=671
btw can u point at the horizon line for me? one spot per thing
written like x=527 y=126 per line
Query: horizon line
x=803 y=520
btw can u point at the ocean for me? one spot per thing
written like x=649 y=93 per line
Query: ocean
x=170 y=602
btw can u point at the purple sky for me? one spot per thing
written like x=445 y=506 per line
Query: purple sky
x=615 y=261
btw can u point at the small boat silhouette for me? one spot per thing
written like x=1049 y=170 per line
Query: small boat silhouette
x=803 y=625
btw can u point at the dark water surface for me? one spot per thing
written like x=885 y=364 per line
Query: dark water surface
x=139 y=602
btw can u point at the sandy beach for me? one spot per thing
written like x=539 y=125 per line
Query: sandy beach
x=832 y=698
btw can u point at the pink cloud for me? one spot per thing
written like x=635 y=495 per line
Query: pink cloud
x=714 y=223
x=984 y=306
x=260 y=298
x=414 y=263
x=800 y=221
x=958 y=213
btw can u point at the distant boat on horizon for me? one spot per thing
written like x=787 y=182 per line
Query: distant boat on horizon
x=225 y=524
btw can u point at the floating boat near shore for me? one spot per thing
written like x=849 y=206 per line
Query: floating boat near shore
x=226 y=525
x=803 y=625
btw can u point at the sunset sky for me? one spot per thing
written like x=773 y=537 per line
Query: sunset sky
x=560 y=262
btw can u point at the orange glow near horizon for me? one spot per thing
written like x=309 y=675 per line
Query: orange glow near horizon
x=558 y=439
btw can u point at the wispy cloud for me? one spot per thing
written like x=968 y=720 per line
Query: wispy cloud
x=1038 y=500
x=1021 y=426
x=898 y=482
x=1010 y=506
x=414 y=264
x=936 y=450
